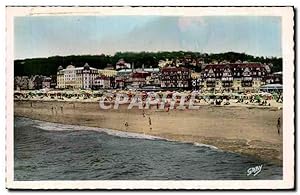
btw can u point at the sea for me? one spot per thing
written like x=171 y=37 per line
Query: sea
x=52 y=151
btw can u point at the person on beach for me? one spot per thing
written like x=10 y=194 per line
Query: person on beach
x=150 y=123
x=167 y=106
x=62 y=109
x=218 y=102
x=168 y=109
x=278 y=125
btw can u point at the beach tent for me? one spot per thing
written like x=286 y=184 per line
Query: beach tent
x=271 y=88
x=265 y=94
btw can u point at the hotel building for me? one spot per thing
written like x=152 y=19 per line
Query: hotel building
x=175 y=77
x=234 y=76
x=76 y=77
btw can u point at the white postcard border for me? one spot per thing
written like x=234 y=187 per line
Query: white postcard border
x=287 y=15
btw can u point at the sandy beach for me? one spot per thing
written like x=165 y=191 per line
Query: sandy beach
x=247 y=130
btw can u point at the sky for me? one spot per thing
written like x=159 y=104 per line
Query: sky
x=44 y=36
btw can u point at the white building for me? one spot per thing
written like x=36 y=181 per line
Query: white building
x=121 y=64
x=76 y=77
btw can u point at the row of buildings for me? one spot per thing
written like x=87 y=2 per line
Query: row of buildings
x=234 y=76
x=239 y=76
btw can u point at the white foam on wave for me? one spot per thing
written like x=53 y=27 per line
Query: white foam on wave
x=48 y=126
x=206 y=145
x=130 y=135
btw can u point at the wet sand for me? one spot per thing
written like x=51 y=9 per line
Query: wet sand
x=246 y=130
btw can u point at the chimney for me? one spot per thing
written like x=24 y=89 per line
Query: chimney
x=132 y=67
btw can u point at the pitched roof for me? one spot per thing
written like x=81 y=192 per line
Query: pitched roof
x=235 y=65
x=174 y=69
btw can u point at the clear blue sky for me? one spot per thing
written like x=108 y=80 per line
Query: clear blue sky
x=43 y=36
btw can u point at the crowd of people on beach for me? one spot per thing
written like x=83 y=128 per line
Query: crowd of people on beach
x=166 y=97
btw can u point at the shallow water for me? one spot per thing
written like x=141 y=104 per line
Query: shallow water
x=51 y=151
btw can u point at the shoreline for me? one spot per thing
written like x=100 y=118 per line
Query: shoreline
x=201 y=126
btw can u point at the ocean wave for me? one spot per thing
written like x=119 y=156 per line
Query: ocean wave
x=205 y=145
x=23 y=121
x=50 y=126
x=128 y=134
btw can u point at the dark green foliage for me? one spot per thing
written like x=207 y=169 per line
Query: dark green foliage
x=48 y=66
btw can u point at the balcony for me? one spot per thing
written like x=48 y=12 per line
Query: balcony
x=210 y=84
x=227 y=84
x=211 y=79
x=247 y=84
x=227 y=79
x=247 y=78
